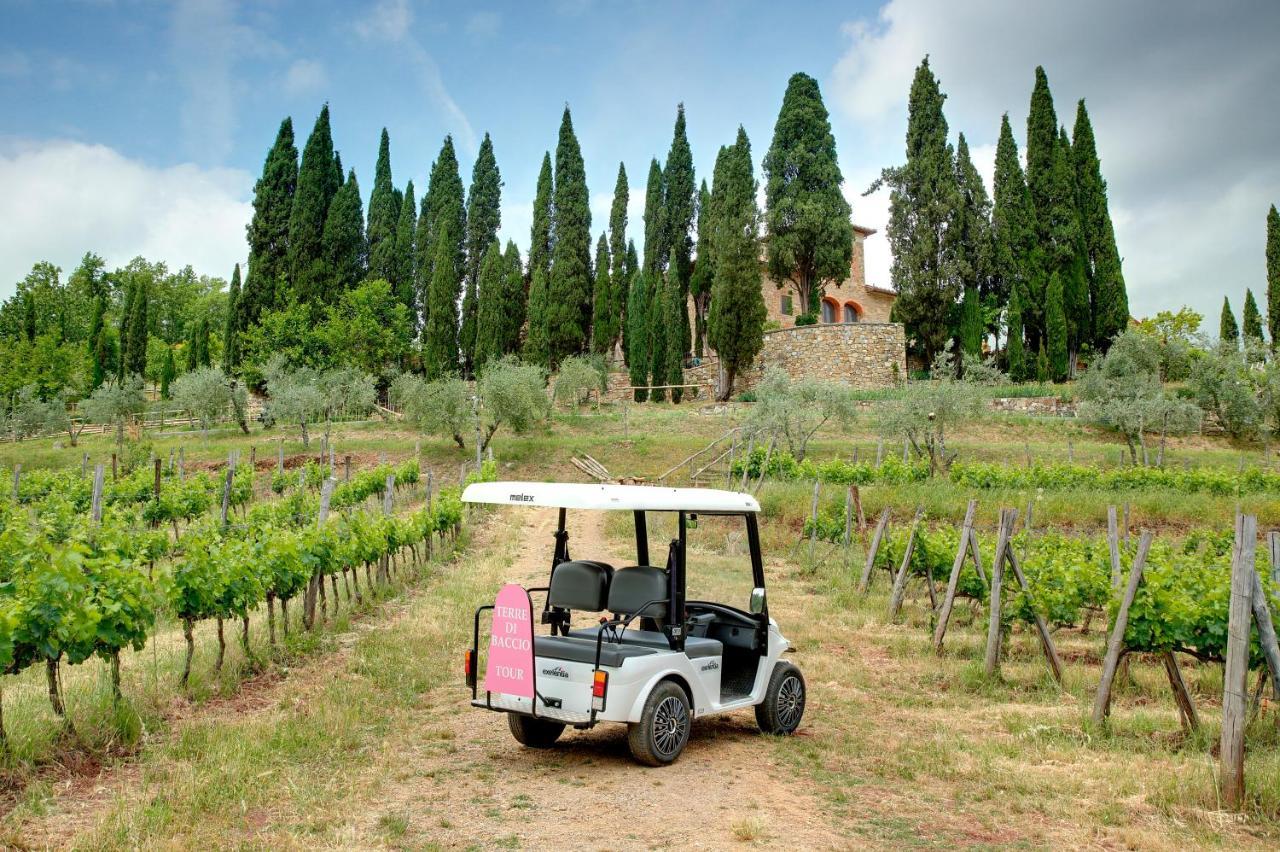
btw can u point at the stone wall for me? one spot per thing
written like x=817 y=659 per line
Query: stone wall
x=1042 y=405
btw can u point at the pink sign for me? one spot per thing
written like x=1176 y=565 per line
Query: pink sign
x=509 y=669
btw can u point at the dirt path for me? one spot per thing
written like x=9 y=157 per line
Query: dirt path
x=587 y=792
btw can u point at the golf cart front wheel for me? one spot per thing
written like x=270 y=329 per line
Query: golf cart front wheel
x=534 y=733
x=783 y=704
x=663 y=730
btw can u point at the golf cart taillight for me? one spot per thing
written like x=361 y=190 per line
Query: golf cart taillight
x=469 y=666
x=599 y=684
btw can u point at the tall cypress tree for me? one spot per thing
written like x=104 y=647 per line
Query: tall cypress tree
x=1057 y=327
x=569 y=289
x=536 y=345
x=468 y=326
x=440 y=339
x=680 y=194
x=923 y=200
x=268 y=230
x=484 y=211
x=633 y=260
x=515 y=301
x=1015 y=254
x=491 y=334
x=638 y=333
x=603 y=320
x=735 y=321
x=443 y=206
x=317 y=186
x=674 y=314
x=1273 y=275
x=1014 y=351
x=1108 y=297
x=703 y=271
x=403 y=270
x=810 y=235
x=655 y=242
x=618 y=281
x=660 y=337
x=540 y=235
x=345 y=250
x=101 y=363
x=1228 y=330
x=231 y=330
x=1252 y=320
x=383 y=216
x=969 y=236
x=135 y=356
x=168 y=372
x=126 y=314
x=1069 y=250
x=1042 y=150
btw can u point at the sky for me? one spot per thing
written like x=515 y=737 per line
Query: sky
x=138 y=127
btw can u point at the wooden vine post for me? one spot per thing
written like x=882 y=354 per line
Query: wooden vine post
x=1042 y=628
x=312 y=591
x=17 y=480
x=1113 y=543
x=949 y=599
x=813 y=524
x=865 y=581
x=847 y=540
x=900 y=581
x=1115 y=645
x=1273 y=547
x=98 y=475
x=994 y=626
x=1236 y=669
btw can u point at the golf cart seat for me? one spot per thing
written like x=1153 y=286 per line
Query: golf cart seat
x=580 y=584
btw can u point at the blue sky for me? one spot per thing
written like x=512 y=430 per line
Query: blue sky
x=138 y=126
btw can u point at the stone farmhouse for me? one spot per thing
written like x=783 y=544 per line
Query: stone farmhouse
x=852 y=300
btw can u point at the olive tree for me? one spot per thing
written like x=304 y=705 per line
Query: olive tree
x=579 y=375
x=793 y=411
x=207 y=394
x=1226 y=386
x=114 y=402
x=441 y=407
x=346 y=390
x=29 y=414
x=295 y=396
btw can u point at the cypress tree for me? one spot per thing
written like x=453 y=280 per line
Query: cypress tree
x=126 y=313
x=442 y=207
x=317 y=186
x=345 y=250
x=638 y=333
x=970 y=237
x=810 y=235
x=440 y=339
x=735 y=319
x=633 y=260
x=135 y=357
x=1015 y=256
x=1057 y=328
x=515 y=300
x=98 y=366
x=703 y=271
x=923 y=200
x=403 y=283
x=618 y=280
x=198 y=345
x=268 y=230
x=468 y=327
x=680 y=194
x=1042 y=150
x=603 y=319
x=1069 y=250
x=1228 y=330
x=569 y=289
x=630 y=266
x=1014 y=351
x=383 y=216
x=673 y=308
x=659 y=335
x=536 y=347
x=230 y=331
x=168 y=372
x=491 y=331
x=1107 y=295
x=1252 y=320
x=540 y=242
x=1273 y=274
x=484 y=212
x=1042 y=364
x=655 y=242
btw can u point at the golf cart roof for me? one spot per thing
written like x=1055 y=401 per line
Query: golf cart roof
x=637 y=498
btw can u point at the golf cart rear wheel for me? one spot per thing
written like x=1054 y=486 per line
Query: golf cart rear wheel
x=783 y=704
x=663 y=730
x=534 y=733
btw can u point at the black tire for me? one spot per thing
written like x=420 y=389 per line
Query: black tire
x=783 y=704
x=663 y=730
x=534 y=733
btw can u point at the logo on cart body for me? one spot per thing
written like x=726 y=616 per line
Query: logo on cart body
x=521 y=498
x=709 y=667
x=558 y=671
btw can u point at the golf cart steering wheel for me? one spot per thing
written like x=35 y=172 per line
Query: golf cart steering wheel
x=726 y=613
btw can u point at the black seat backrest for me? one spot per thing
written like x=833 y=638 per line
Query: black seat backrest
x=633 y=588
x=581 y=585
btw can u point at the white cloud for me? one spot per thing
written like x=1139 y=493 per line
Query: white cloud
x=388 y=20
x=92 y=198
x=484 y=24
x=304 y=76
x=1173 y=92
x=203 y=42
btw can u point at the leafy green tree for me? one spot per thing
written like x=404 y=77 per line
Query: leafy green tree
x=442 y=207
x=736 y=314
x=569 y=288
x=619 y=281
x=1107 y=294
x=507 y=394
x=135 y=355
x=604 y=320
x=1043 y=373
x=492 y=337
x=268 y=230
x=383 y=215
x=540 y=242
x=484 y=209
x=1273 y=275
x=368 y=329
x=680 y=196
x=578 y=376
x=168 y=372
x=294 y=396
x=536 y=345
x=1223 y=383
x=704 y=272
x=807 y=219
x=516 y=299
x=1042 y=151
x=1015 y=353
x=655 y=242
x=402 y=280
x=791 y=412
x=130 y=288
x=346 y=392
x=1228 y=331
x=101 y=352
x=114 y=403
x=923 y=200
x=230 y=330
x=440 y=339
x=1252 y=320
x=1015 y=254
x=971 y=329
x=638 y=333
x=1056 y=328
x=317 y=185
x=345 y=250
x=206 y=395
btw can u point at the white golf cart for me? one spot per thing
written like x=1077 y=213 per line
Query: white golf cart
x=647 y=657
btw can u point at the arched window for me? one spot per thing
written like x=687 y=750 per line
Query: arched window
x=830 y=309
x=852 y=312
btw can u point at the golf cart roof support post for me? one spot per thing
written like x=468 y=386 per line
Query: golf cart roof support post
x=757 y=572
x=562 y=541
x=676 y=609
x=642 y=538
